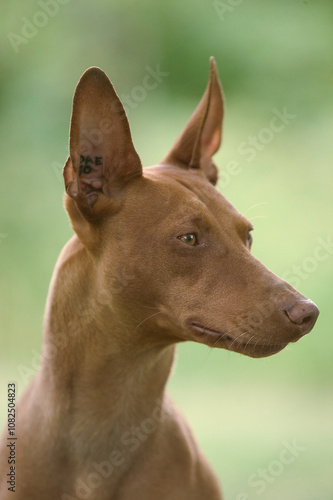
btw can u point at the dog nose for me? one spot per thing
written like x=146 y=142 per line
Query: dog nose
x=303 y=313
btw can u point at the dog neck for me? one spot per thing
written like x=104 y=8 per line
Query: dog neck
x=94 y=366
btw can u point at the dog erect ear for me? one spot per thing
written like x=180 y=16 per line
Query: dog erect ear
x=201 y=137
x=102 y=156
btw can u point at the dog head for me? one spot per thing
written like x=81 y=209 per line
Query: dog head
x=186 y=249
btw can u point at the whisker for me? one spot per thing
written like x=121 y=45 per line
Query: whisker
x=256 y=205
x=146 y=319
x=148 y=307
x=258 y=217
x=228 y=332
x=236 y=339
x=231 y=330
x=249 y=341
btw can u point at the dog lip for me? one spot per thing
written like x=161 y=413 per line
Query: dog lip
x=256 y=350
x=204 y=330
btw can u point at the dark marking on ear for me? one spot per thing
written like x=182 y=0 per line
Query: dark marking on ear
x=92 y=175
x=102 y=155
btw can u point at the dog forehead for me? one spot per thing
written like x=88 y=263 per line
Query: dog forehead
x=172 y=189
x=191 y=189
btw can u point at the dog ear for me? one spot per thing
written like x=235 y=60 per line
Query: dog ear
x=201 y=137
x=102 y=156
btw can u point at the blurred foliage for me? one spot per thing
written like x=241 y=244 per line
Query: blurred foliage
x=271 y=55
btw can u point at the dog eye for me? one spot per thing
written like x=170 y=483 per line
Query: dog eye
x=188 y=239
x=249 y=239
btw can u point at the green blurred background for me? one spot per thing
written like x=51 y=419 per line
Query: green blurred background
x=271 y=55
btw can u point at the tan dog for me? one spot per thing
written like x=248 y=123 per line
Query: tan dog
x=159 y=257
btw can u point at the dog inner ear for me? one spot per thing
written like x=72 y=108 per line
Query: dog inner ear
x=102 y=156
x=201 y=138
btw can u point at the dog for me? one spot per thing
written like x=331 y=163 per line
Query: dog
x=158 y=257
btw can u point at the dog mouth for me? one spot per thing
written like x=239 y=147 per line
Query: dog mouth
x=252 y=348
